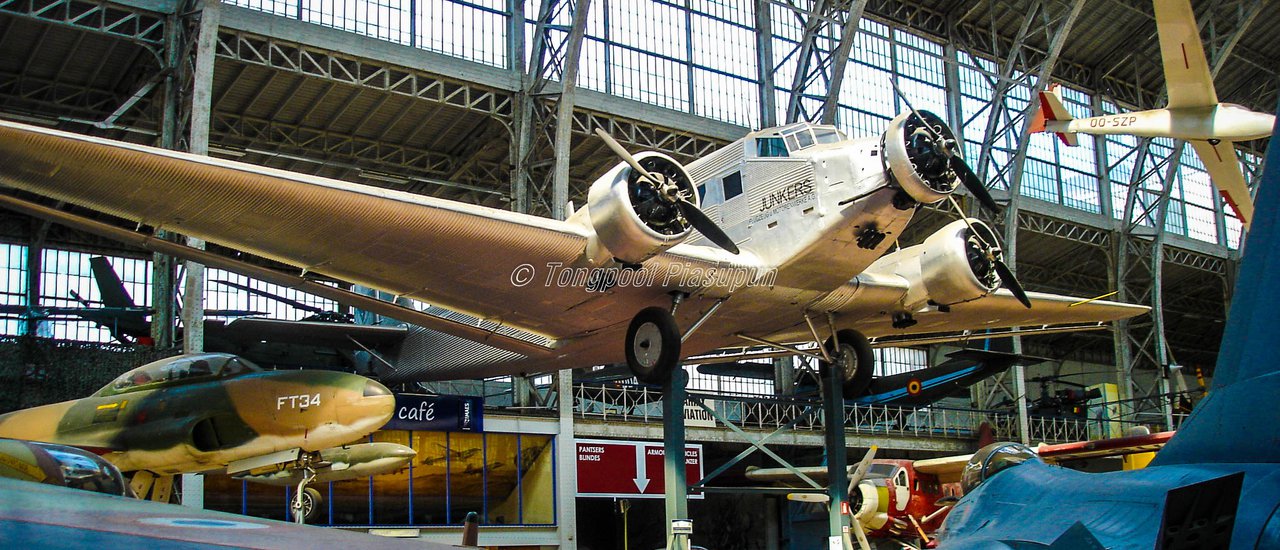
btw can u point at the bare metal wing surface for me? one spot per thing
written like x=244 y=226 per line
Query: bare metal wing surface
x=438 y=251
x=817 y=225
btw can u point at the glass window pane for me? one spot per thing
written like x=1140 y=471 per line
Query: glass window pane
x=430 y=490
x=466 y=475
x=391 y=489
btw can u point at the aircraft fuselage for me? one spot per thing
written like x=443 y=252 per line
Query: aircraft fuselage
x=205 y=425
x=1224 y=121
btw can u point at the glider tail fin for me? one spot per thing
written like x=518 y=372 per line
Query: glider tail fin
x=1052 y=110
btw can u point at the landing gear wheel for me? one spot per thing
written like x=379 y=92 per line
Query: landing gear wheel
x=310 y=502
x=854 y=361
x=653 y=345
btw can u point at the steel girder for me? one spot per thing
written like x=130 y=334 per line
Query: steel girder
x=548 y=89
x=820 y=57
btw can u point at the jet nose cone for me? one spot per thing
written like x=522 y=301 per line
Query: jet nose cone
x=374 y=389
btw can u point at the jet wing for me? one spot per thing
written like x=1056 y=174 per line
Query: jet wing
x=1186 y=69
x=965 y=321
x=490 y=264
x=1224 y=169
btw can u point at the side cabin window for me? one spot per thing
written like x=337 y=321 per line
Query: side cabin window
x=732 y=185
x=770 y=147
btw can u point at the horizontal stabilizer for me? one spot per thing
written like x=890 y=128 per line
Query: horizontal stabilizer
x=1052 y=109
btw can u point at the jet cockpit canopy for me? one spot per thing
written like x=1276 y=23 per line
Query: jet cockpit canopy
x=180 y=369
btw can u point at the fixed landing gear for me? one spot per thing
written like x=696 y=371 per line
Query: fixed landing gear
x=653 y=345
x=851 y=355
x=306 y=502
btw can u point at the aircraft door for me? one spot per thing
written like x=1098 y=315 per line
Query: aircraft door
x=902 y=489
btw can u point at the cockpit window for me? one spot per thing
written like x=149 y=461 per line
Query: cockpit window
x=827 y=134
x=181 y=368
x=900 y=478
x=804 y=135
x=805 y=139
x=770 y=147
x=992 y=459
x=880 y=471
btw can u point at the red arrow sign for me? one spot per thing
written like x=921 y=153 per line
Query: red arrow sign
x=629 y=469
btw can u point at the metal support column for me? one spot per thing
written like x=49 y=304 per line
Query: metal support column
x=35 y=262
x=206 y=37
x=673 y=398
x=1064 y=22
x=765 y=64
x=1157 y=270
x=566 y=465
x=837 y=454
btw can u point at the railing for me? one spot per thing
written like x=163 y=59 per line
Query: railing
x=625 y=403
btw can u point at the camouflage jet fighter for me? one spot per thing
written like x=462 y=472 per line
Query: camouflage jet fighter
x=218 y=412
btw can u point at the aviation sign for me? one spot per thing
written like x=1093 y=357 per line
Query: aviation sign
x=630 y=469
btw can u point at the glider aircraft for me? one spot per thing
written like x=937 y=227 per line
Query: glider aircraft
x=1193 y=112
x=786 y=236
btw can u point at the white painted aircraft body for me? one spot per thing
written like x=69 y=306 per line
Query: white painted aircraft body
x=1193 y=113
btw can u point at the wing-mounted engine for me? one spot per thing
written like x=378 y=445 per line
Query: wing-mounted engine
x=924 y=161
x=634 y=218
x=954 y=265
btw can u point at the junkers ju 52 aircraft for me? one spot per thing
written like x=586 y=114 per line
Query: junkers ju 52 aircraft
x=1193 y=112
x=807 y=252
x=218 y=412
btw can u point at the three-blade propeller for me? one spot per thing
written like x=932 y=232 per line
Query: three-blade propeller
x=948 y=149
x=670 y=192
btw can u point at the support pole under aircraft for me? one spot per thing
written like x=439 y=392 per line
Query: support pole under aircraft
x=673 y=397
x=837 y=459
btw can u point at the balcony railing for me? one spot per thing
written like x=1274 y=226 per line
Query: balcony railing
x=627 y=403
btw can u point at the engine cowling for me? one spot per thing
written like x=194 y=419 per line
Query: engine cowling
x=918 y=162
x=631 y=221
x=954 y=264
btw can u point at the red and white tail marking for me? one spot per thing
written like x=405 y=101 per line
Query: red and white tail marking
x=1051 y=108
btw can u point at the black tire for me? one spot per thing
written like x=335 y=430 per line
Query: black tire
x=856 y=360
x=653 y=345
x=311 y=503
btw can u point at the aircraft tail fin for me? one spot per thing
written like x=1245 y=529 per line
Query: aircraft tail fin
x=1246 y=379
x=1052 y=109
x=110 y=287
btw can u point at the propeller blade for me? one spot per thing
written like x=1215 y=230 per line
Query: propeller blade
x=861 y=534
x=704 y=225
x=621 y=152
x=973 y=184
x=861 y=471
x=1011 y=282
x=923 y=121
